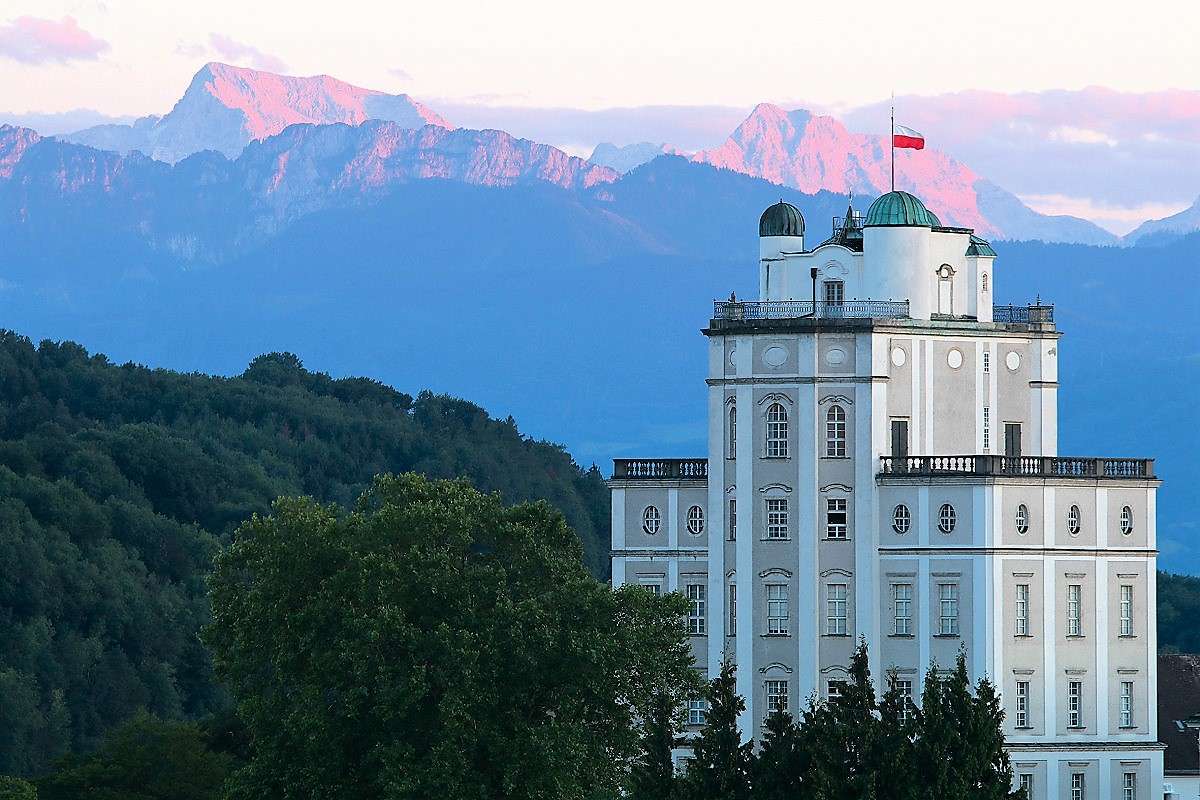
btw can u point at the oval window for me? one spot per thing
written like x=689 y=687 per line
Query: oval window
x=1022 y=519
x=946 y=518
x=901 y=519
x=695 y=520
x=1126 y=520
x=1073 y=520
x=651 y=520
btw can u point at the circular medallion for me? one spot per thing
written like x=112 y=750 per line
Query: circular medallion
x=774 y=356
x=1013 y=360
x=898 y=356
x=835 y=356
x=954 y=358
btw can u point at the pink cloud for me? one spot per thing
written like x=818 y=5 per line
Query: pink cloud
x=33 y=40
x=248 y=55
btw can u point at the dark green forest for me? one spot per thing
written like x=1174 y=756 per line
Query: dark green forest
x=118 y=483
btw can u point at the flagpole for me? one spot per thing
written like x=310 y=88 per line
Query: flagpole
x=892 y=141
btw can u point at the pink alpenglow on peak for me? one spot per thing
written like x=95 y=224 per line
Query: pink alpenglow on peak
x=226 y=107
x=271 y=102
x=813 y=153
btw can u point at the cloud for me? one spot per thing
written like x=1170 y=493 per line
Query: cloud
x=33 y=40
x=1118 y=219
x=1072 y=135
x=234 y=50
x=402 y=74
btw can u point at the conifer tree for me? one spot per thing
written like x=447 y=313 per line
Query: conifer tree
x=894 y=754
x=936 y=740
x=781 y=763
x=721 y=764
x=855 y=729
x=652 y=776
x=993 y=776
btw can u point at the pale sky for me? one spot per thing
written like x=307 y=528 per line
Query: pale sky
x=594 y=55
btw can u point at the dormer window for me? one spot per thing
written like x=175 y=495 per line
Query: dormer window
x=835 y=293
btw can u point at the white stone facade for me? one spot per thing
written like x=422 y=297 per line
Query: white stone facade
x=891 y=472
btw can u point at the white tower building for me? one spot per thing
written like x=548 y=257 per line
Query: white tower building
x=883 y=462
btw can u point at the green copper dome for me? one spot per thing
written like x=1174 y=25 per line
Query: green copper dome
x=899 y=209
x=781 y=219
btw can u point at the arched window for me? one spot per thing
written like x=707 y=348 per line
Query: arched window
x=901 y=519
x=777 y=431
x=651 y=520
x=1022 y=519
x=946 y=518
x=1126 y=520
x=983 y=280
x=733 y=431
x=695 y=520
x=835 y=432
x=1073 y=520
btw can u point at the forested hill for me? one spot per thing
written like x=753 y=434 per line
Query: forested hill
x=117 y=483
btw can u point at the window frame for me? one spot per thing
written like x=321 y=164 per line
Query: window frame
x=837 y=609
x=1074 y=704
x=1129 y=786
x=778 y=431
x=833 y=292
x=948 y=609
x=1022 y=519
x=1074 y=520
x=835 y=432
x=1125 y=599
x=777 y=695
x=1074 y=610
x=732 y=454
x=695 y=523
x=778 y=519
x=837 y=530
x=697 y=622
x=987 y=423
x=947 y=519
x=651 y=518
x=731 y=627
x=1021 y=612
x=697 y=712
x=1078 y=786
x=1126 y=520
x=901 y=519
x=733 y=519
x=1021 y=706
x=1125 y=705
x=902 y=609
x=778 y=599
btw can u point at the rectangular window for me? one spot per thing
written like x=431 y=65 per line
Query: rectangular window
x=1129 y=786
x=835 y=518
x=695 y=594
x=733 y=520
x=1126 y=704
x=948 y=608
x=987 y=363
x=1126 y=610
x=1077 y=786
x=902 y=599
x=1022 y=609
x=1021 y=717
x=835 y=689
x=777 y=608
x=777 y=696
x=1075 y=704
x=777 y=518
x=652 y=585
x=987 y=425
x=732 y=610
x=697 y=711
x=1026 y=777
x=835 y=292
x=836 y=605
x=905 y=689
x=1074 y=610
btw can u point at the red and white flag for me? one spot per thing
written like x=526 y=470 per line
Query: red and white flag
x=907 y=137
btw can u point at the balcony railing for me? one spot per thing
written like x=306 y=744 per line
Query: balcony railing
x=660 y=468
x=1018 y=466
x=796 y=309
x=1033 y=314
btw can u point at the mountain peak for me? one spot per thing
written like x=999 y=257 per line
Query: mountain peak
x=225 y=107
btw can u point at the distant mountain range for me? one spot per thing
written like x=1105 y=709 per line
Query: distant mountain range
x=1168 y=229
x=225 y=108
